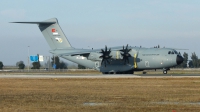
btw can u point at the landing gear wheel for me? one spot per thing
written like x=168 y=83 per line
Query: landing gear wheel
x=105 y=72
x=129 y=72
x=164 y=71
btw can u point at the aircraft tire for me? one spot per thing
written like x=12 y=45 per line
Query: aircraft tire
x=104 y=72
x=164 y=71
x=131 y=72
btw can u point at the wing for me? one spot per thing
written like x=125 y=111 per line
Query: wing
x=82 y=52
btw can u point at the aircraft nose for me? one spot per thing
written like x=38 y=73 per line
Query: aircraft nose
x=179 y=59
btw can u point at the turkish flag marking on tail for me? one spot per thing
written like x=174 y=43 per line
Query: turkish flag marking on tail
x=53 y=30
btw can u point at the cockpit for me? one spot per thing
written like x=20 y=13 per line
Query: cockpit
x=179 y=58
x=173 y=52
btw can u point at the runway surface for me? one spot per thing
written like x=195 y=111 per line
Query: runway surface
x=105 y=76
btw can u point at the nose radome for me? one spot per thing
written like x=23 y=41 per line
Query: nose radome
x=179 y=59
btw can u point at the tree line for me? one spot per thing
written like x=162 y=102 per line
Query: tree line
x=194 y=62
x=36 y=65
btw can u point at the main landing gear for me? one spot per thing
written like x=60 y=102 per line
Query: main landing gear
x=126 y=72
x=165 y=70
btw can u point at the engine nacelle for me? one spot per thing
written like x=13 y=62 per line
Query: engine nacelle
x=94 y=56
x=116 y=55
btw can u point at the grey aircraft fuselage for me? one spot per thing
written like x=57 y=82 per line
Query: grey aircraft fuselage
x=115 y=60
x=146 y=59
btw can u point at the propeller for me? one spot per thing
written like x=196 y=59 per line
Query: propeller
x=105 y=55
x=126 y=54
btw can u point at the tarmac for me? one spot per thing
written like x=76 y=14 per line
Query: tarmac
x=102 y=76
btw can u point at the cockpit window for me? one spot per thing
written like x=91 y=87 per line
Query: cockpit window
x=176 y=52
x=172 y=52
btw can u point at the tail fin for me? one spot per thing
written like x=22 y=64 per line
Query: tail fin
x=53 y=33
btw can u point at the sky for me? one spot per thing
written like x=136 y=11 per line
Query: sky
x=96 y=23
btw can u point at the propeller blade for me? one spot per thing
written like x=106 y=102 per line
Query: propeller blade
x=126 y=54
x=102 y=51
x=124 y=60
x=102 y=61
x=108 y=62
x=105 y=55
x=127 y=46
x=128 y=60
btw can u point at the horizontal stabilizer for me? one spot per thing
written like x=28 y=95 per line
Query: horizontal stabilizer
x=35 y=22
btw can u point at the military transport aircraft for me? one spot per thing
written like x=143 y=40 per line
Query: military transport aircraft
x=118 y=60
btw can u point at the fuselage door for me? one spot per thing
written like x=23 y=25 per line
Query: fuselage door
x=147 y=63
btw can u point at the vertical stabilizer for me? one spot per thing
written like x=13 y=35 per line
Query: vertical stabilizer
x=53 y=33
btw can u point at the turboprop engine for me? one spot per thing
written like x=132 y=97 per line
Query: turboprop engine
x=94 y=56
x=116 y=55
